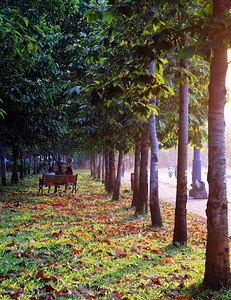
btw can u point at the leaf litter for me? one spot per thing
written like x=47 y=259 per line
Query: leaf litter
x=86 y=246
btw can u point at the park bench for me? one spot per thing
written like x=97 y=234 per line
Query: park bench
x=56 y=180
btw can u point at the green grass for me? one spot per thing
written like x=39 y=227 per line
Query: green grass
x=85 y=246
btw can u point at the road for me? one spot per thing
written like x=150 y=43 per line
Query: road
x=167 y=192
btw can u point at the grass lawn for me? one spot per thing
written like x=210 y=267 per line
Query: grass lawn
x=85 y=246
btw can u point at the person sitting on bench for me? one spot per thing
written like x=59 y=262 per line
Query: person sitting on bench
x=59 y=172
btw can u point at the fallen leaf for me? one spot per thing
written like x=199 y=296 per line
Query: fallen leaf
x=165 y=260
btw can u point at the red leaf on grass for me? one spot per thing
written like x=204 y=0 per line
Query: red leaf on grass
x=76 y=251
x=178 y=277
x=116 y=295
x=120 y=252
x=135 y=250
x=156 y=281
x=165 y=260
x=156 y=251
x=184 y=267
x=76 y=279
x=39 y=274
x=48 y=288
x=185 y=296
x=187 y=276
x=11 y=244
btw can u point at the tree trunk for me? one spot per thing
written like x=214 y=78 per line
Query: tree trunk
x=35 y=165
x=142 y=206
x=107 y=171
x=180 y=226
x=24 y=163
x=103 y=168
x=217 y=267
x=154 y=194
x=21 y=164
x=136 y=170
x=117 y=184
x=112 y=170
x=99 y=167
x=14 y=176
x=34 y=160
x=91 y=166
x=93 y=159
x=3 y=165
x=44 y=159
x=29 y=165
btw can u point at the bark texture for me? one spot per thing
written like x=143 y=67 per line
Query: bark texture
x=99 y=167
x=180 y=226
x=14 y=176
x=154 y=195
x=21 y=164
x=107 y=171
x=103 y=168
x=29 y=165
x=3 y=165
x=217 y=267
x=136 y=170
x=112 y=170
x=93 y=166
x=117 y=184
x=142 y=205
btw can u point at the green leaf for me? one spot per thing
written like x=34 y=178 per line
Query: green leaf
x=108 y=103
x=152 y=108
x=187 y=53
x=26 y=21
x=109 y=18
x=38 y=29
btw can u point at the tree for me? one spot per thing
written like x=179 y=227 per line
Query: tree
x=142 y=203
x=180 y=226
x=217 y=267
x=154 y=193
x=117 y=183
x=135 y=197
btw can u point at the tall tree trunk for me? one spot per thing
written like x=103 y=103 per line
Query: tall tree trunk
x=142 y=205
x=91 y=166
x=14 y=176
x=29 y=165
x=35 y=165
x=117 y=184
x=136 y=170
x=112 y=170
x=49 y=160
x=93 y=158
x=44 y=159
x=154 y=194
x=217 y=267
x=3 y=165
x=107 y=171
x=180 y=226
x=24 y=162
x=103 y=168
x=99 y=167
x=21 y=164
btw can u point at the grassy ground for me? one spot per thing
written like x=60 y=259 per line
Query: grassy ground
x=85 y=246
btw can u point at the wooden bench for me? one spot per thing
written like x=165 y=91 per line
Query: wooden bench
x=56 y=180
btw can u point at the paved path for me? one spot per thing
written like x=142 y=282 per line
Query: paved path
x=167 y=193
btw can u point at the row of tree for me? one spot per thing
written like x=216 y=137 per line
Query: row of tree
x=129 y=73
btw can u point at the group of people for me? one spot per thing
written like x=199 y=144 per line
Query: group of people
x=60 y=171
